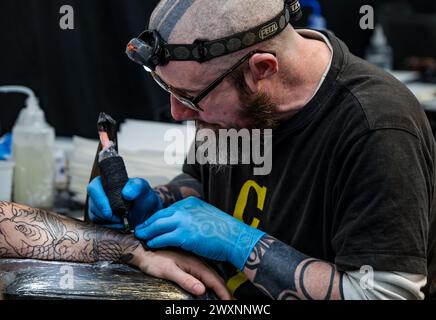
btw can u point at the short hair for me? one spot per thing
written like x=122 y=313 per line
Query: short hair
x=184 y=21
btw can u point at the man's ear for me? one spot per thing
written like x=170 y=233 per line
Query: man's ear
x=261 y=66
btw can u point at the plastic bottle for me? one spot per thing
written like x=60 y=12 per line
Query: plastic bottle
x=379 y=52
x=33 y=145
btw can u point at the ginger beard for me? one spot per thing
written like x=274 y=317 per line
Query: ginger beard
x=257 y=112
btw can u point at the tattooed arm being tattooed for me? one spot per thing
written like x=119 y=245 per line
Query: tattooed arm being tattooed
x=36 y=234
x=285 y=273
x=32 y=233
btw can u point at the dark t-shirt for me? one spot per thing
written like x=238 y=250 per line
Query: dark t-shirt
x=352 y=180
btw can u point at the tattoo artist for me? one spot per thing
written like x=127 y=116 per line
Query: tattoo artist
x=353 y=175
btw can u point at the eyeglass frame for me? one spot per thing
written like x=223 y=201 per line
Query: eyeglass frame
x=193 y=103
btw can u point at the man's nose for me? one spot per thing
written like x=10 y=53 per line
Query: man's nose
x=180 y=112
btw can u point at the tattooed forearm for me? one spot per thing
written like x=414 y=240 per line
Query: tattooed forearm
x=168 y=197
x=180 y=187
x=285 y=273
x=32 y=233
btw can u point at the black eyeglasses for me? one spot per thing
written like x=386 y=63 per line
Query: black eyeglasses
x=191 y=102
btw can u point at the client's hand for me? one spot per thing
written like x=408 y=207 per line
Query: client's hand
x=183 y=268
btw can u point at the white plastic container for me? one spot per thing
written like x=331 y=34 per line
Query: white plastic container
x=6 y=174
x=379 y=52
x=33 y=145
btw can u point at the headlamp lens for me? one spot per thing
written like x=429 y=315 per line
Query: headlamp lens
x=146 y=50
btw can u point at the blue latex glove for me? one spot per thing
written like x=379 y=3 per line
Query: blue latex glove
x=146 y=201
x=199 y=227
x=6 y=147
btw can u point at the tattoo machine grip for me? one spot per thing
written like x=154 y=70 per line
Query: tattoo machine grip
x=114 y=177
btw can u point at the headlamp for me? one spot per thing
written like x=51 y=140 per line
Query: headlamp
x=150 y=50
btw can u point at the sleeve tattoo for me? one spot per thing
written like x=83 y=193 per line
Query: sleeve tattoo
x=285 y=273
x=180 y=187
x=36 y=234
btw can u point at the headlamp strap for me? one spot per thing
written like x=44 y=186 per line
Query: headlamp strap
x=203 y=50
x=294 y=8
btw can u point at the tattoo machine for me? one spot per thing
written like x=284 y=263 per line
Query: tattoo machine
x=113 y=171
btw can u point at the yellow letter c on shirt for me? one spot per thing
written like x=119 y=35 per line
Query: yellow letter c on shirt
x=234 y=282
x=241 y=203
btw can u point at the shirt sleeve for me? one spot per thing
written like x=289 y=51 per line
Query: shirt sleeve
x=382 y=285
x=383 y=196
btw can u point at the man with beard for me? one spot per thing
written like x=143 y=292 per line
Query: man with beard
x=347 y=211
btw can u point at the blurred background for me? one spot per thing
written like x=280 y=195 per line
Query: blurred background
x=77 y=73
